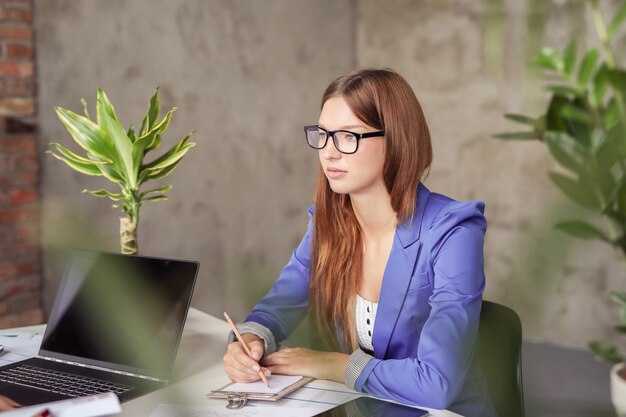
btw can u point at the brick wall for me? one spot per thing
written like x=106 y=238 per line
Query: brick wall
x=20 y=279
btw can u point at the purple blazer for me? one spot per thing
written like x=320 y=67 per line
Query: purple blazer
x=428 y=311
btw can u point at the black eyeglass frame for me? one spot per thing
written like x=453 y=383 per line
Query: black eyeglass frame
x=331 y=133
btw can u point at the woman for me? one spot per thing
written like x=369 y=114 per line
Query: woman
x=393 y=273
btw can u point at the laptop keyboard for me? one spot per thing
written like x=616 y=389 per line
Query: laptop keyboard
x=59 y=382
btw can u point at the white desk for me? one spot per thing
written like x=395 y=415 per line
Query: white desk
x=198 y=368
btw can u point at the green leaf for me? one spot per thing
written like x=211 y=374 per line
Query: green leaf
x=87 y=134
x=520 y=118
x=563 y=90
x=163 y=189
x=87 y=169
x=152 y=114
x=158 y=174
x=577 y=114
x=111 y=173
x=599 y=87
x=554 y=117
x=517 y=135
x=569 y=58
x=618 y=19
x=587 y=66
x=76 y=157
x=567 y=152
x=579 y=193
x=617 y=77
x=110 y=124
x=173 y=158
x=131 y=134
x=605 y=351
x=85 y=110
x=611 y=113
x=618 y=297
x=550 y=59
x=150 y=140
x=105 y=193
x=581 y=229
x=158 y=197
x=172 y=155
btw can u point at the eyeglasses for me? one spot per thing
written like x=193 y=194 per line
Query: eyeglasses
x=345 y=141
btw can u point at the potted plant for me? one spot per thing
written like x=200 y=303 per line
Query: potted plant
x=584 y=129
x=118 y=155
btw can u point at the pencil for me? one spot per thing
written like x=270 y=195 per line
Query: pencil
x=245 y=347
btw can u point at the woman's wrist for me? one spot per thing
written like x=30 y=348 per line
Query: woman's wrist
x=336 y=366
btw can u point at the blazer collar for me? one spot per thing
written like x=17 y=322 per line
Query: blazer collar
x=409 y=231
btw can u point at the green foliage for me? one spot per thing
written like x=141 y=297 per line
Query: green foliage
x=118 y=154
x=584 y=130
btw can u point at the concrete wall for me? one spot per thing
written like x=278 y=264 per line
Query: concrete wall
x=468 y=68
x=247 y=75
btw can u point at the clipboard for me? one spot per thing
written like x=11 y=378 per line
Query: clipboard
x=239 y=399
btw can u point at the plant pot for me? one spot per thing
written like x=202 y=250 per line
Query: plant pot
x=618 y=388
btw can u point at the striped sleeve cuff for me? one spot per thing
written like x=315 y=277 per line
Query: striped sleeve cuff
x=356 y=364
x=258 y=329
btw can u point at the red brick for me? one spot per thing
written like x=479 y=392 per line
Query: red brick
x=3 y=87
x=33 y=316
x=17 y=106
x=18 y=215
x=2 y=12
x=21 y=87
x=27 y=233
x=7 y=234
x=4 y=163
x=16 y=33
x=28 y=162
x=28 y=268
x=23 y=196
x=17 y=143
x=17 y=68
x=21 y=179
x=7 y=271
x=20 y=125
x=8 y=321
x=23 y=3
x=4 y=308
x=18 y=251
x=18 y=50
x=19 y=15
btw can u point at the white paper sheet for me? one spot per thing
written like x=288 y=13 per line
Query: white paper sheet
x=19 y=346
x=277 y=384
x=92 y=406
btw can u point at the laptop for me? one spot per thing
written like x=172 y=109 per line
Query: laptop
x=115 y=326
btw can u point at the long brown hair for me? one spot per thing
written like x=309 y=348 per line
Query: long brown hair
x=382 y=99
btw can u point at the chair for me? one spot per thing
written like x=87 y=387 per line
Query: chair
x=499 y=353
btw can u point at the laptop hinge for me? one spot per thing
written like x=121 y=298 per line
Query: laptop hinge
x=100 y=368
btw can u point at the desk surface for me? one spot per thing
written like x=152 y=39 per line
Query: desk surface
x=198 y=368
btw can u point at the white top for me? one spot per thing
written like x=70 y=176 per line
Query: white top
x=365 y=317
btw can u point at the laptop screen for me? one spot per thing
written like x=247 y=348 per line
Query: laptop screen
x=121 y=312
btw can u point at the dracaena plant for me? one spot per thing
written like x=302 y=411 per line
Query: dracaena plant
x=584 y=129
x=118 y=155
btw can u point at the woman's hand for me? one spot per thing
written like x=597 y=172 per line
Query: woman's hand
x=7 y=404
x=238 y=365
x=307 y=362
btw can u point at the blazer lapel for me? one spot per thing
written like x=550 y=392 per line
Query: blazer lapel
x=397 y=276
x=396 y=281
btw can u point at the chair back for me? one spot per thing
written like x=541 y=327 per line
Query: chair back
x=499 y=353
